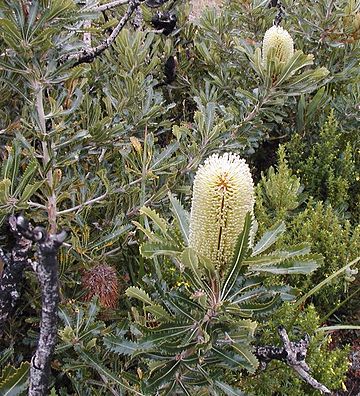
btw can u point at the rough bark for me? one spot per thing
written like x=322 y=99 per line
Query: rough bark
x=47 y=273
x=293 y=354
x=12 y=275
x=87 y=55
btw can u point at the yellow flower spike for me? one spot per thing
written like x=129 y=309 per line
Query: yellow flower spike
x=278 y=43
x=223 y=193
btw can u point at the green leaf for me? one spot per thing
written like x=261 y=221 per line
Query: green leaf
x=4 y=191
x=296 y=266
x=113 y=236
x=182 y=217
x=125 y=347
x=324 y=282
x=158 y=221
x=6 y=355
x=27 y=176
x=228 y=389
x=269 y=238
x=14 y=380
x=278 y=255
x=166 y=332
x=261 y=307
x=242 y=247
x=297 y=62
x=93 y=362
x=243 y=358
x=159 y=312
x=250 y=361
x=139 y=294
x=149 y=234
x=29 y=191
x=151 y=250
x=163 y=375
x=190 y=260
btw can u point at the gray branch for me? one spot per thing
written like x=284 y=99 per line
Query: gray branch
x=46 y=269
x=87 y=55
x=293 y=354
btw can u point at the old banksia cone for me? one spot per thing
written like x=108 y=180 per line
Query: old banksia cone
x=101 y=281
x=223 y=193
x=278 y=44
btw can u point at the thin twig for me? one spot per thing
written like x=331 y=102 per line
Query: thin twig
x=36 y=205
x=87 y=55
x=81 y=206
x=108 y=6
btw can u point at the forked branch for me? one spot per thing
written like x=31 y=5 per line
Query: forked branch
x=293 y=354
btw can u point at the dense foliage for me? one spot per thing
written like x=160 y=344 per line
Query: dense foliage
x=108 y=149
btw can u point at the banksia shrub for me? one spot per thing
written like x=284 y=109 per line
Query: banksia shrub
x=102 y=281
x=223 y=194
x=278 y=45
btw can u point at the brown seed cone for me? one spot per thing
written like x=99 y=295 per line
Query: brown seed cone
x=101 y=281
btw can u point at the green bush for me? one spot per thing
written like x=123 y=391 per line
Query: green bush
x=86 y=145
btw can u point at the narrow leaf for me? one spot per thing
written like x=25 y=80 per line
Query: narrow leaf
x=158 y=221
x=139 y=294
x=182 y=217
x=269 y=238
x=15 y=381
x=242 y=247
x=228 y=389
x=102 y=370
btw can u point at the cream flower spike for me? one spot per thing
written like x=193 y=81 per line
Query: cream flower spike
x=278 y=38
x=223 y=193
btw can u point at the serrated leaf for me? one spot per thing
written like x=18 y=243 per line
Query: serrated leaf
x=157 y=220
x=297 y=62
x=250 y=361
x=158 y=312
x=27 y=176
x=125 y=347
x=269 y=238
x=190 y=260
x=278 y=255
x=29 y=190
x=182 y=217
x=4 y=191
x=163 y=375
x=296 y=266
x=15 y=381
x=228 y=389
x=107 y=238
x=139 y=294
x=236 y=360
x=150 y=250
x=149 y=234
x=261 y=307
x=242 y=247
x=93 y=362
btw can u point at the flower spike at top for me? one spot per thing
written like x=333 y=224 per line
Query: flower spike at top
x=223 y=194
x=279 y=42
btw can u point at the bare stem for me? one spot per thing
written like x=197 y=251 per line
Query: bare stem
x=83 y=205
